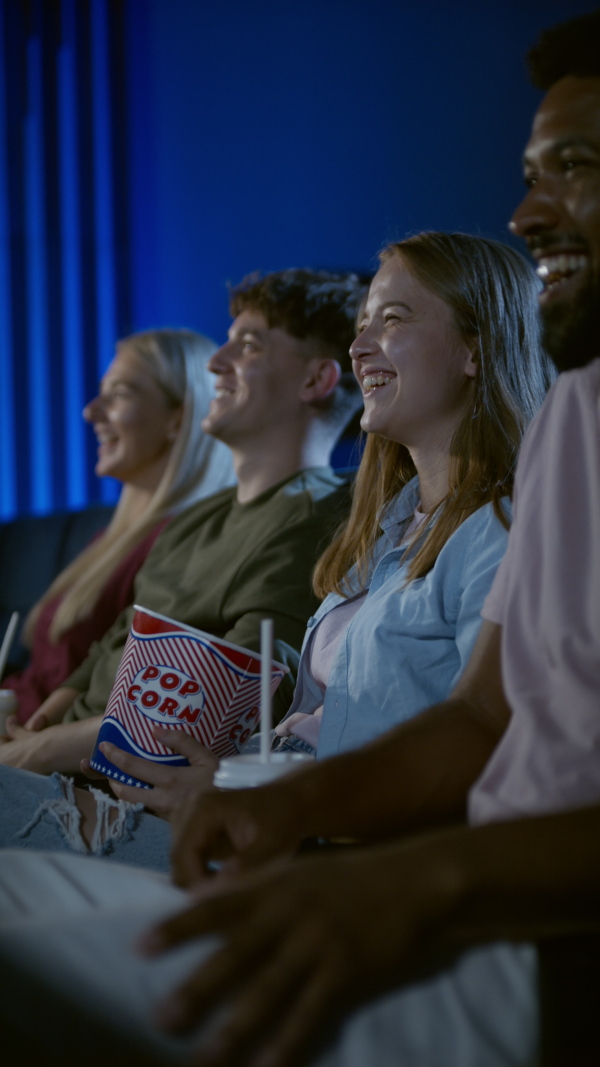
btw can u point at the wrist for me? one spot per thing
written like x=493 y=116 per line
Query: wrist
x=441 y=882
x=62 y=747
x=42 y=756
x=304 y=795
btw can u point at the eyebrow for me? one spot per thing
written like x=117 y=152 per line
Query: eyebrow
x=390 y=304
x=235 y=335
x=118 y=381
x=395 y=304
x=572 y=141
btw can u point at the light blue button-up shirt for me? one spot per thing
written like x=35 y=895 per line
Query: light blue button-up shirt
x=408 y=644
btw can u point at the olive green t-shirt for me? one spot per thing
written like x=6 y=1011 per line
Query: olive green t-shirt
x=222 y=566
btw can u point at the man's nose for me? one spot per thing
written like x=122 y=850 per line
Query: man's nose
x=539 y=210
x=220 y=360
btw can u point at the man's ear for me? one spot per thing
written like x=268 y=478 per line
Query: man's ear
x=322 y=377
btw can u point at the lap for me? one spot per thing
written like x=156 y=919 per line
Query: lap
x=481 y=1012
x=79 y=918
x=39 y=813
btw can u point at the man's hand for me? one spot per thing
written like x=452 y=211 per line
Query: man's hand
x=305 y=943
x=240 y=828
x=171 y=785
x=436 y=756
x=53 y=710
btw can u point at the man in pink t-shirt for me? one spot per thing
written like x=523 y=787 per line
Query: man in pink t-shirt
x=517 y=745
x=304 y=944
x=546 y=599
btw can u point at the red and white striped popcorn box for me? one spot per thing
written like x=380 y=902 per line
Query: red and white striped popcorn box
x=180 y=678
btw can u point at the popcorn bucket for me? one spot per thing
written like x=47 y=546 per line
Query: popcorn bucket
x=180 y=678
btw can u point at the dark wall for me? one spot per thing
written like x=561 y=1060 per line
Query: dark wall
x=269 y=135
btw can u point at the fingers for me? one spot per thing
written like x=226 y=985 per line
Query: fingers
x=172 y=784
x=286 y=726
x=159 y=799
x=213 y=828
x=14 y=730
x=252 y=936
x=306 y=1022
x=193 y=834
x=134 y=794
x=89 y=772
x=280 y=991
x=192 y=853
x=38 y=721
x=185 y=745
x=246 y=828
x=136 y=766
x=272 y=978
x=202 y=918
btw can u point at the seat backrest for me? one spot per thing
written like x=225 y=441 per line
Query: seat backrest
x=33 y=551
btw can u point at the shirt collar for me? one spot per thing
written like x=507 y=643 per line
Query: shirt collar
x=394 y=516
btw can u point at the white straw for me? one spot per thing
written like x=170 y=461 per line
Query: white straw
x=8 y=640
x=266 y=655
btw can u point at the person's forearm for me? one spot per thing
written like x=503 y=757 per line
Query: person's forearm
x=53 y=709
x=63 y=747
x=524 y=880
x=415 y=776
x=418 y=774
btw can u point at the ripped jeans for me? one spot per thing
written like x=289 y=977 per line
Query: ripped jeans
x=39 y=812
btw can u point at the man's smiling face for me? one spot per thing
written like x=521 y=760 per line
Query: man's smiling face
x=560 y=217
x=259 y=374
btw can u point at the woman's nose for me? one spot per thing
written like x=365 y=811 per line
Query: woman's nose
x=362 y=345
x=92 y=409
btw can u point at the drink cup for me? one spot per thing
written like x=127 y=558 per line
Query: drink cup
x=8 y=707
x=174 y=676
x=248 y=771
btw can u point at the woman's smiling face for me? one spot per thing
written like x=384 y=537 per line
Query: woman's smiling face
x=415 y=371
x=134 y=422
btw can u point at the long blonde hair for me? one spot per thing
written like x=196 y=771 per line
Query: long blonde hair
x=492 y=293
x=198 y=466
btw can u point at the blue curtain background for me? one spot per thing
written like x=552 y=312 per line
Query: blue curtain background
x=151 y=151
x=64 y=274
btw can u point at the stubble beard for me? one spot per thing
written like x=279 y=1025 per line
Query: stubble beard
x=571 y=333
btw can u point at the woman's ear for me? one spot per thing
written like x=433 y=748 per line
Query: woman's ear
x=322 y=377
x=472 y=357
x=175 y=423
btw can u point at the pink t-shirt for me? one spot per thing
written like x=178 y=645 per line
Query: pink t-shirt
x=546 y=597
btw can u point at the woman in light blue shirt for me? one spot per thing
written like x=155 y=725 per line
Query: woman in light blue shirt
x=450 y=365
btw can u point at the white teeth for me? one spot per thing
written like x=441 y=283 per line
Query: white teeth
x=370 y=381
x=222 y=392
x=556 y=267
